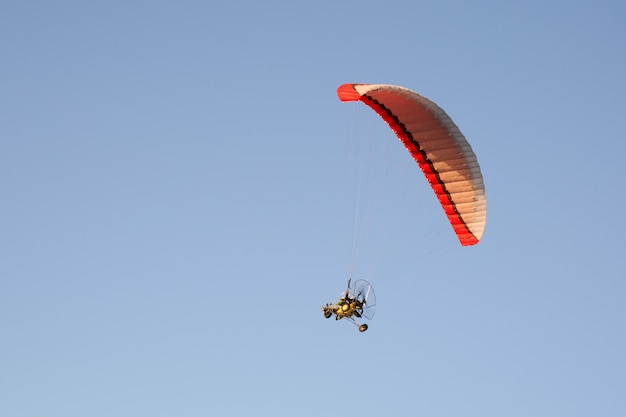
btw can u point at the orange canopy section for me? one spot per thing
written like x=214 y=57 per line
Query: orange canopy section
x=439 y=148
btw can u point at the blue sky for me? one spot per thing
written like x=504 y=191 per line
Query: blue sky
x=178 y=200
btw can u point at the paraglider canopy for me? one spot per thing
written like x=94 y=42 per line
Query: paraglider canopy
x=439 y=148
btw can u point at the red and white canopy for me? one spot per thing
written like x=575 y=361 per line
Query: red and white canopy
x=438 y=146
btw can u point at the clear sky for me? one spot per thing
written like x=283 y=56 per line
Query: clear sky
x=178 y=200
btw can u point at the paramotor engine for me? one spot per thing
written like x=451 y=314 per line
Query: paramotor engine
x=357 y=302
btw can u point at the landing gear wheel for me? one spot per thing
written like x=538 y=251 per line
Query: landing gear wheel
x=362 y=328
x=328 y=313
